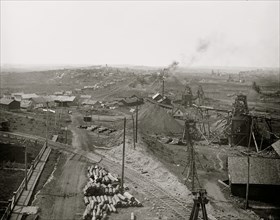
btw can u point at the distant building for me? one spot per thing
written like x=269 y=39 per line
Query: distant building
x=65 y=101
x=17 y=96
x=9 y=104
x=179 y=113
x=130 y=101
x=28 y=96
x=68 y=93
x=58 y=93
x=264 y=178
x=22 y=96
x=26 y=104
x=157 y=97
x=165 y=101
x=89 y=102
x=38 y=102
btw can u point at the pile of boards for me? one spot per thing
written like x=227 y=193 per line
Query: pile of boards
x=102 y=194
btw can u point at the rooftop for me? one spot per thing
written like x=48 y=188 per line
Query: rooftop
x=276 y=147
x=264 y=171
x=6 y=101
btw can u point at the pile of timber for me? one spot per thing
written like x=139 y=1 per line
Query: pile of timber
x=102 y=194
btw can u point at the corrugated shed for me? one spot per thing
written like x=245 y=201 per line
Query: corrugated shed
x=264 y=171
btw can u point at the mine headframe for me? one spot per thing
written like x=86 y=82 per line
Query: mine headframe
x=240 y=122
x=187 y=96
x=240 y=105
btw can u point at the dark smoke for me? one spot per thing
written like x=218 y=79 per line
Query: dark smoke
x=202 y=47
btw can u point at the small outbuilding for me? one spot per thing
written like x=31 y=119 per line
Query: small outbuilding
x=179 y=113
x=65 y=101
x=264 y=178
x=9 y=104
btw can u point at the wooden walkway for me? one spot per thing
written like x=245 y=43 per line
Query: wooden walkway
x=24 y=198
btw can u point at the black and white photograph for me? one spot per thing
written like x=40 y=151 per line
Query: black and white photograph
x=139 y=110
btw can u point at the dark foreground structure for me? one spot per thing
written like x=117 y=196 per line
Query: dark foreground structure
x=264 y=178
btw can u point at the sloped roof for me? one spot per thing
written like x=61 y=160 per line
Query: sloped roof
x=17 y=93
x=276 y=147
x=6 y=101
x=64 y=98
x=85 y=96
x=131 y=100
x=29 y=96
x=89 y=102
x=157 y=95
x=50 y=98
x=264 y=171
x=25 y=103
x=181 y=109
x=38 y=100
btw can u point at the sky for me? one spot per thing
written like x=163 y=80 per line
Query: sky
x=151 y=33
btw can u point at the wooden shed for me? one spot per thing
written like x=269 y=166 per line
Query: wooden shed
x=264 y=178
x=9 y=104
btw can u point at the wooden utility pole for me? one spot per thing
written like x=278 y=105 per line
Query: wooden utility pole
x=136 y=130
x=47 y=124
x=191 y=153
x=248 y=171
x=124 y=125
x=133 y=130
x=25 y=162
x=162 y=86
x=66 y=130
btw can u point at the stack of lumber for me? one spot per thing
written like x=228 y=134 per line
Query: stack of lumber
x=102 y=194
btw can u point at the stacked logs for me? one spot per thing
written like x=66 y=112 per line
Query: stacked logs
x=102 y=194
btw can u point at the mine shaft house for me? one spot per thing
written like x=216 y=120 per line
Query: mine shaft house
x=9 y=104
x=264 y=178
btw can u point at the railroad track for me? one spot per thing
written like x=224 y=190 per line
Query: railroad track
x=180 y=209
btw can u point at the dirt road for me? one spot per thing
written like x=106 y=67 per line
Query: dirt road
x=61 y=198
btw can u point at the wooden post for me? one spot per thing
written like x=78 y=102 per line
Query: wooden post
x=124 y=124
x=25 y=162
x=136 y=130
x=47 y=124
x=248 y=161
x=193 y=167
x=162 y=86
x=133 y=130
x=66 y=130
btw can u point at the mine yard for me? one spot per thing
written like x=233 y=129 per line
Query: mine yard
x=144 y=143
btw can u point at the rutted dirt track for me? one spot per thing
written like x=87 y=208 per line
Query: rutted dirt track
x=62 y=197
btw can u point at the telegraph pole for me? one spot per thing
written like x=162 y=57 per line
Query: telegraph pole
x=248 y=161
x=162 y=86
x=47 y=123
x=133 y=130
x=66 y=130
x=136 y=131
x=124 y=125
x=25 y=162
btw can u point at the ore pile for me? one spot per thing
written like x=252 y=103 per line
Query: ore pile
x=102 y=194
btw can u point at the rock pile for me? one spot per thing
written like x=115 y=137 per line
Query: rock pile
x=102 y=194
